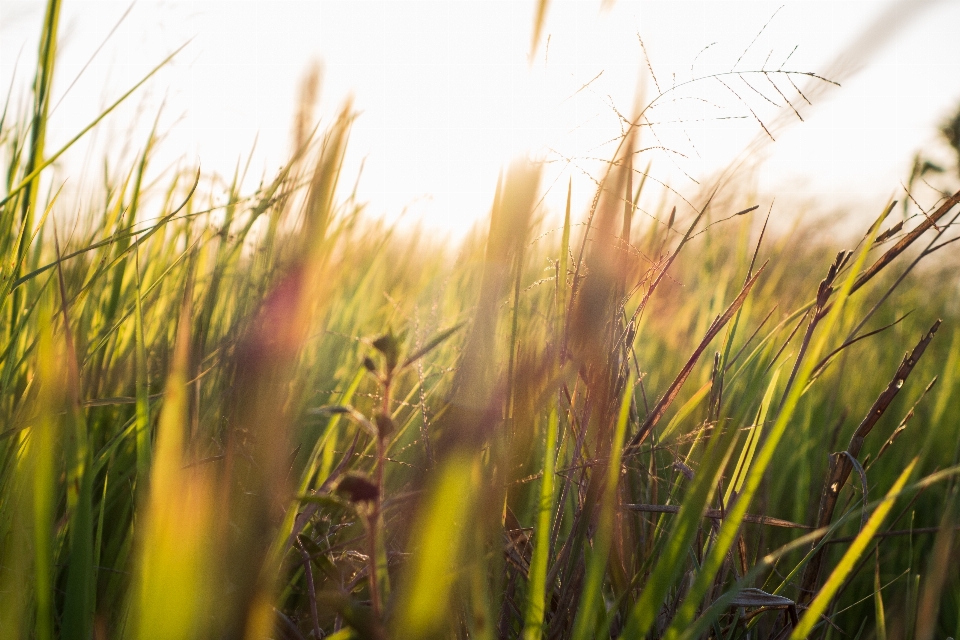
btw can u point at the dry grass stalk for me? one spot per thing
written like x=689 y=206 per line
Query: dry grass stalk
x=841 y=464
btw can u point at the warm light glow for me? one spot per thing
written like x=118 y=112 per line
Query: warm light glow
x=448 y=94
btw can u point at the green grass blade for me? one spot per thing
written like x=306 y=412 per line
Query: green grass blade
x=98 y=540
x=172 y=585
x=42 y=86
x=77 y=619
x=324 y=451
x=77 y=622
x=537 y=582
x=142 y=387
x=42 y=453
x=750 y=447
x=685 y=411
x=878 y=610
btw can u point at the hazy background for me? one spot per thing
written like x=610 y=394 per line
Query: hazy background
x=448 y=93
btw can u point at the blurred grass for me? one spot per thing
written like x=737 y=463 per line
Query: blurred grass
x=276 y=418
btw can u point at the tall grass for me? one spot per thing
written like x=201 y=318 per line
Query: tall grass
x=274 y=418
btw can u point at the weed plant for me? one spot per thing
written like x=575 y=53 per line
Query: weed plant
x=272 y=418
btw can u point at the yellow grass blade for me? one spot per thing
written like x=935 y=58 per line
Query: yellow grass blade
x=533 y=618
x=173 y=583
x=441 y=530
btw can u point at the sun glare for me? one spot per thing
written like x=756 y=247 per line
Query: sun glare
x=449 y=92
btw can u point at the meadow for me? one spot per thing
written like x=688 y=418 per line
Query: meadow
x=272 y=417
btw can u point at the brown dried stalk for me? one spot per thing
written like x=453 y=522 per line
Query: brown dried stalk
x=906 y=241
x=841 y=464
x=820 y=309
x=674 y=389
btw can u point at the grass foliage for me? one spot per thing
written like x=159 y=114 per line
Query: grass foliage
x=271 y=418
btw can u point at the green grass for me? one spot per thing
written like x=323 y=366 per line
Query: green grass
x=276 y=418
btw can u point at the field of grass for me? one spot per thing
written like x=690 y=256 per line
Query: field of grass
x=275 y=418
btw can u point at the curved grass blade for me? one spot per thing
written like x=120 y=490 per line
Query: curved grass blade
x=750 y=448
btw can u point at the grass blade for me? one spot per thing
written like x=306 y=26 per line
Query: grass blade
x=42 y=452
x=142 y=386
x=173 y=572
x=878 y=612
x=750 y=447
x=442 y=526
x=537 y=582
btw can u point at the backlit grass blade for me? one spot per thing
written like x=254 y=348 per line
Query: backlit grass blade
x=536 y=584
x=878 y=609
x=938 y=569
x=846 y=565
x=142 y=387
x=98 y=540
x=324 y=451
x=174 y=574
x=750 y=447
x=77 y=621
x=43 y=84
x=441 y=527
x=42 y=453
x=685 y=412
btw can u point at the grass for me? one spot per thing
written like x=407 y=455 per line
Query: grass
x=274 y=418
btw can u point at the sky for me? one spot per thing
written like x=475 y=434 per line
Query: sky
x=448 y=92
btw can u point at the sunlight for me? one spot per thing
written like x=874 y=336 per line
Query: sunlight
x=448 y=92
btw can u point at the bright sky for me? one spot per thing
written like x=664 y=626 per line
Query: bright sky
x=448 y=96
